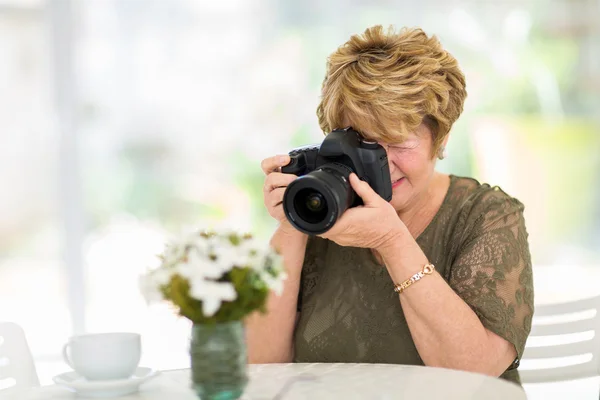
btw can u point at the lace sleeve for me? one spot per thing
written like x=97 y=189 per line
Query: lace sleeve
x=492 y=271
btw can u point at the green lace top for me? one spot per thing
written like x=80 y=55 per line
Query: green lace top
x=477 y=241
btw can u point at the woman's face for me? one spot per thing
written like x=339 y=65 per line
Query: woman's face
x=411 y=168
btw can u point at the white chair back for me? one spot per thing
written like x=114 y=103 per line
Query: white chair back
x=564 y=342
x=16 y=363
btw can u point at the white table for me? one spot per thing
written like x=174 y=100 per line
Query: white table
x=320 y=381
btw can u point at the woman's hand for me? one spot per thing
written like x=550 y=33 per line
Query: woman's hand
x=274 y=188
x=374 y=225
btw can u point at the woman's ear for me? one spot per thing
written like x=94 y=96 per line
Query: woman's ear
x=442 y=152
x=445 y=142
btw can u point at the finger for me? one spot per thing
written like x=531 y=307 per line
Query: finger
x=279 y=214
x=276 y=180
x=273 y=164
x=275 y=197
x=364 y=190
x=329 y=234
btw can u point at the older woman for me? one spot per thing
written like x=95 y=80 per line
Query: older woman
x=349 y=296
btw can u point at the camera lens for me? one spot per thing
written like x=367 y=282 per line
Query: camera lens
x=315 y=201
x=310 y=206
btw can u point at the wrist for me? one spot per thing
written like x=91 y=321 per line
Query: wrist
x=286 y=229
x=286 y=235
x=393 y=241
x=402 y=256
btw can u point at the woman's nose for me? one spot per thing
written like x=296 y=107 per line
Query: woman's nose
x=392 y=167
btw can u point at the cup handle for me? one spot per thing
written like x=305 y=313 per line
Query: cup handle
x=66 y=355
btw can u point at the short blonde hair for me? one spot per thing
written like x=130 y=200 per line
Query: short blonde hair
x=385 y=84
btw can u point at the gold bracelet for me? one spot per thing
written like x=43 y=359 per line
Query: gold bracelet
x=427 y=270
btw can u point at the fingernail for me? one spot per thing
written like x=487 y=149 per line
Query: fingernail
x=283 y=159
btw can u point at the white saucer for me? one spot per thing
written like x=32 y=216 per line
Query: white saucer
x=113 y=388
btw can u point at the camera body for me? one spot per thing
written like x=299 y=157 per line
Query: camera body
x=313 y=202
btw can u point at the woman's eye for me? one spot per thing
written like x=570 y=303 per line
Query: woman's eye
x=404 y=146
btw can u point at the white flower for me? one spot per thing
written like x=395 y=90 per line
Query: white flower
x=149 y=289
x=212 y=294
x=203 y=260
x=198 y=265
x=161 y=276
x=175 y=251
x=232 y=257
x=274 y=283
x=151 y=283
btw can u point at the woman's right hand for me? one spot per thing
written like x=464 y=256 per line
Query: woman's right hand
x=275 y=184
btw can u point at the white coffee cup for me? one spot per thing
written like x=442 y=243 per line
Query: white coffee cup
x=103 y=356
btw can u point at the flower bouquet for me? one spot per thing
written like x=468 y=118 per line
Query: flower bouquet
x=215 y=279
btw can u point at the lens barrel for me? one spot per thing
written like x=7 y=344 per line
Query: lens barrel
x=314 y=202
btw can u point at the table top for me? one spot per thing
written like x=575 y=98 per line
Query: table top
x=311 y=381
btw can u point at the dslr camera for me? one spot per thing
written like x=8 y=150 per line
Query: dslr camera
x=322 y=192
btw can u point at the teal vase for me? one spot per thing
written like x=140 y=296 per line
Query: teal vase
x=219 y=361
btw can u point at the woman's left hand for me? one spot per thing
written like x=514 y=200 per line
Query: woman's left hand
x=373 y=225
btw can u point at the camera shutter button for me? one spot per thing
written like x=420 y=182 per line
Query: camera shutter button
x=369 y=144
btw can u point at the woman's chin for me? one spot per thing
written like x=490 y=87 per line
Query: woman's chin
x=401 y=197
x=398 y=202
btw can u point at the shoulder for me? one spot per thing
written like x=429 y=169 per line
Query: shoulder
x=470 y=196
x=481 y=207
